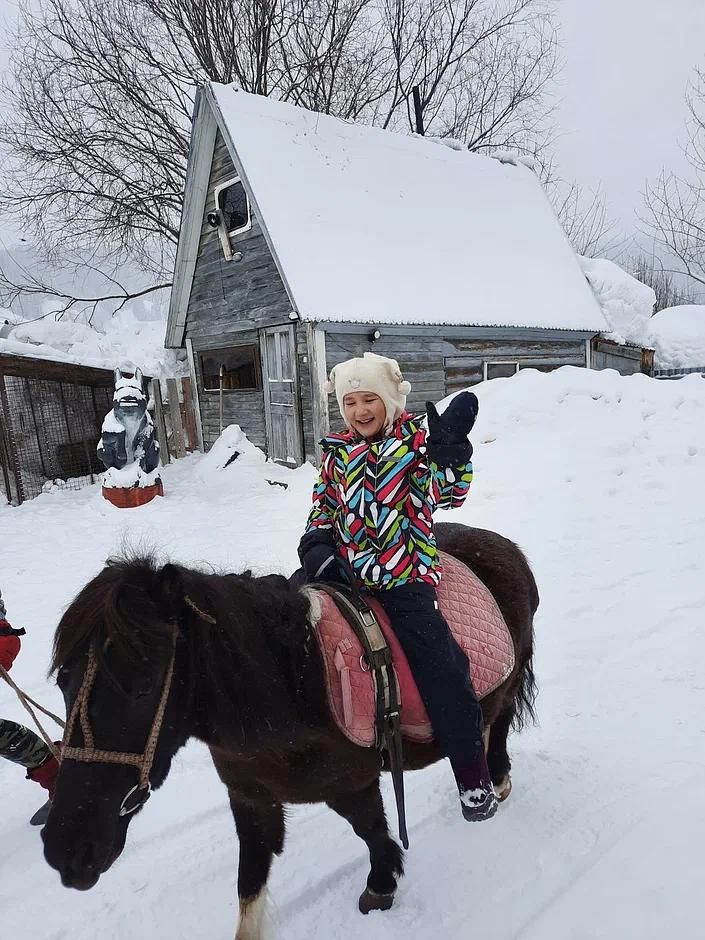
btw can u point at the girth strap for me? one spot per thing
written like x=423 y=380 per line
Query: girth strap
x=387 y=701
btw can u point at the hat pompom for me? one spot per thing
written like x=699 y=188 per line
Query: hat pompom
x=328 y=387
x=404 y=387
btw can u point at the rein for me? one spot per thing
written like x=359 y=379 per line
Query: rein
x=89 y=753
x=28 y=703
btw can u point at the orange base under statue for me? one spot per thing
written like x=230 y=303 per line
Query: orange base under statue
x=128 y=497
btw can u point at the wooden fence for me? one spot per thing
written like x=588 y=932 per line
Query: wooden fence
x=677 y=373
x=174 y=417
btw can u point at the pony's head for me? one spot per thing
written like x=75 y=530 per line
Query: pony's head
x=115 y=650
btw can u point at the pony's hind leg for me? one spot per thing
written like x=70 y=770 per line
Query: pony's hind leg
x=260 y=831
x=497 y=756
x=364 y=811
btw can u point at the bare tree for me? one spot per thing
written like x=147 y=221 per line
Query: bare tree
x=649 y=270
x=675 y=205
x=100 y=101
x=583 y=215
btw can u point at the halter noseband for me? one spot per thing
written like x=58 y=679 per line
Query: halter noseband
x=92 y=755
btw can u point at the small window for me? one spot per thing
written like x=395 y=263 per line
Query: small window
x=240 y=365
x=500 y=370
x=234 y=207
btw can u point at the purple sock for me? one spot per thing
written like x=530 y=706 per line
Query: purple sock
x=474 y=776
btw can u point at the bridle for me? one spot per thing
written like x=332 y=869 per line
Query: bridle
x=138 y=795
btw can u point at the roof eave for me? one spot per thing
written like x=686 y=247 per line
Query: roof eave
x=204 y=127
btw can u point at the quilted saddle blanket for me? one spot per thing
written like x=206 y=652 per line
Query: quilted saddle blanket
x=476 y=622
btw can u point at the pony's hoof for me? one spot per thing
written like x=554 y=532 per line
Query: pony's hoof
x=503 y=788
x=371 y=901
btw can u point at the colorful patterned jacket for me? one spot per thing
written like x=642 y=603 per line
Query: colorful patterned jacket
x=376 y=500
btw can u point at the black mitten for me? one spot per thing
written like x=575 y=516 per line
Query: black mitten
x=319 y=558
x=447 y=443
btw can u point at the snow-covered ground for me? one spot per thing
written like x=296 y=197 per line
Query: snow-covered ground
x=600 y=479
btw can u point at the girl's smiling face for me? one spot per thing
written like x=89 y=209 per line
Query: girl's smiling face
x=365 y=413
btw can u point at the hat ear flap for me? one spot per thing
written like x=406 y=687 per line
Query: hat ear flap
x=329 y=384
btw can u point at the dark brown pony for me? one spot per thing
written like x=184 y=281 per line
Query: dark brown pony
x=247 y=680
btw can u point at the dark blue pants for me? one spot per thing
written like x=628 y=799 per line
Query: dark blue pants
x=439 y=667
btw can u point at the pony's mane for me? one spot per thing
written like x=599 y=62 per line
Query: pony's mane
x=134 y=603
x=122 y=605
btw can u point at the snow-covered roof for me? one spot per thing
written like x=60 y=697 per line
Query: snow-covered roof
x=626 y=303
x=371 y=226
x=125 y=342
x=677 y=335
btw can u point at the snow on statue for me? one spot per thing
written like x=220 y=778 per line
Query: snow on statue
x=128 y=446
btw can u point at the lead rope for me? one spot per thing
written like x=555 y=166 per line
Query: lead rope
x=28 y=702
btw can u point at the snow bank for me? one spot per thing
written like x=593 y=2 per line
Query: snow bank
x=599 y=479
x=626 y=303
x=125 y=342
x=678 y=337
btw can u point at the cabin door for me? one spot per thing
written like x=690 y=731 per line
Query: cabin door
x=281 y=397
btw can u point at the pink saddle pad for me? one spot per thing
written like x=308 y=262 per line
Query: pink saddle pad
x=476 y=622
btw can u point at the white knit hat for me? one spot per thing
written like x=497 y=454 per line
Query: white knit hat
x=371 y=373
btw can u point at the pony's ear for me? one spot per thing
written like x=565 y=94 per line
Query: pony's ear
x=172 y=590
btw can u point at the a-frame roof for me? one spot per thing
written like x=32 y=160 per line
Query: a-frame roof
x=371 y=226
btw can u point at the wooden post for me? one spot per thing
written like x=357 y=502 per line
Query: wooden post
x=418 y=113
x=194 y=389
x=11 y=442
x=316 y=351
x=159 y=422
x=177 y=428
x=188 y=414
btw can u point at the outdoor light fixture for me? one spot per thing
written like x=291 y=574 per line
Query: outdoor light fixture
x=373 y=336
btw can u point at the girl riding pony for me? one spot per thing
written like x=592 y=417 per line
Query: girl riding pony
x=372 y=520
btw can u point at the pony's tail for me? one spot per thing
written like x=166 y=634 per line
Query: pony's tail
x=524 y=703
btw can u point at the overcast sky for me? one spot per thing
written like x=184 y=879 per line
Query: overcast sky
x=621 y=113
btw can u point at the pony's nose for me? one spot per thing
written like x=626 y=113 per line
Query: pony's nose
x=83 y=867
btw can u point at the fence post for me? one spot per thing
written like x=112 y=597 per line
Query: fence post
x=177 y=428
x=160 y=424
x=189 y=414
x=11 y=443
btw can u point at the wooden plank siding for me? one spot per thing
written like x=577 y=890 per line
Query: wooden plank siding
x=244 y=406
x=627 y=360
x=437 y=366
x=227 y=293
x=229 y=301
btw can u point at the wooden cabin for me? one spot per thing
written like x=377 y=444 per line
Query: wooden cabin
x=306 y=240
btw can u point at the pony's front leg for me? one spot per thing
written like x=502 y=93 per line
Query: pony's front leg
x=260 y=830
x=364 y=810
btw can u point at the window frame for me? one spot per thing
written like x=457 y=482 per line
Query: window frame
x=499 y=362
x=258 y=387
x=223 y=233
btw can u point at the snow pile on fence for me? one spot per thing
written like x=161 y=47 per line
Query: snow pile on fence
x=678 y=337
x=626 y=303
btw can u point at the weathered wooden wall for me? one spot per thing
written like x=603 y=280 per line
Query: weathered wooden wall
x=627 y=360
x=229 y=301
x=228 y=293
x=435 y=364
x=243 y=407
